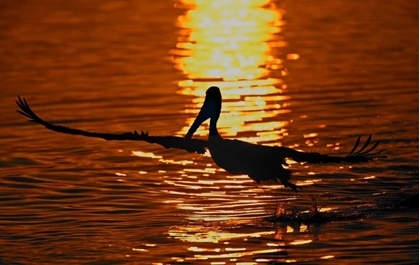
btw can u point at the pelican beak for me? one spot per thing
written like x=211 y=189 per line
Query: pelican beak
x=204 y=114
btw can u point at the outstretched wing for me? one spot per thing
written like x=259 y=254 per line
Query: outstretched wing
x=244 y=151
x=190 y=145
x=364 y=154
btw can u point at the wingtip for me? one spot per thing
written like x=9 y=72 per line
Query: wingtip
x=355 y=146
x=365 y=152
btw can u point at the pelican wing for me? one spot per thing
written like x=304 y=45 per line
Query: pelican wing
x=364 y=154
x=262 y=152
x=190 y=145
x=263 y=163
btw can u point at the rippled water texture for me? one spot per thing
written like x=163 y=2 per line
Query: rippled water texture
x=311 y=75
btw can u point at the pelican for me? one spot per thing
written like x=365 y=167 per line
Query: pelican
x=259 y=162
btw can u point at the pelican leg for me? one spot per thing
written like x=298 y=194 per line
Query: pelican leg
x=286 y=184
x=294 y=187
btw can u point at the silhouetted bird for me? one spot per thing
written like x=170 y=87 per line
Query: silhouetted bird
x=260 y=162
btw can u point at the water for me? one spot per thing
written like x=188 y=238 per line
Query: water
x=311 y=75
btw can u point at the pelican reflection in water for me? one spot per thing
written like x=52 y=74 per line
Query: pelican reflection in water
x=259 y=162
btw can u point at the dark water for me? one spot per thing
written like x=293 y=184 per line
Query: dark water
x=310 y=75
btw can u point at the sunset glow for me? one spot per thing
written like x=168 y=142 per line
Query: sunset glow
x=231 y=45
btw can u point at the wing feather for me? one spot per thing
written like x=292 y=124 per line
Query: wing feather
x=190 y=145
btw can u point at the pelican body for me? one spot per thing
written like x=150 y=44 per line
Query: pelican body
x=259 y=162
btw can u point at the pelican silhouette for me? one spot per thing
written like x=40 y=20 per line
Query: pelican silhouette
x=260 y=162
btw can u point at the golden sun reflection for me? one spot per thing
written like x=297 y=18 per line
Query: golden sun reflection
x=198 y=233
x=235 y=45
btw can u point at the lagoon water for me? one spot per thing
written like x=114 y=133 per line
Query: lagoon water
x=311 y=75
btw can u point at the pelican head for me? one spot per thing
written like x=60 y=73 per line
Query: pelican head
x=211 y=109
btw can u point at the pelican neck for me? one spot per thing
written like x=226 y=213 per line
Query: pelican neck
x=213 y=126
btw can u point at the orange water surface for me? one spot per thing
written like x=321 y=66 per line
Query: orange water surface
x=311 y=75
